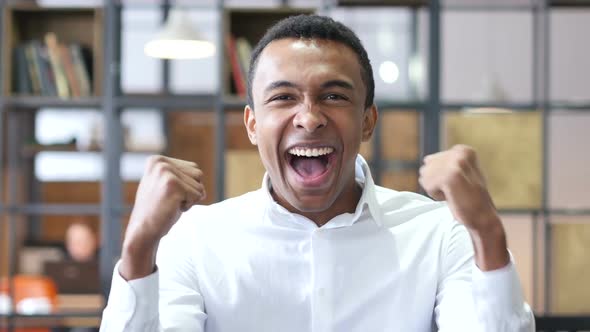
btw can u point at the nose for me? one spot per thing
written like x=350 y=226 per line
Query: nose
x=310 y=118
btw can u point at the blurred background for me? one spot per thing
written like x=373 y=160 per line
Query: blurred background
x=90 y=89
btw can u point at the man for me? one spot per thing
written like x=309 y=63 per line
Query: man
x=319 y=247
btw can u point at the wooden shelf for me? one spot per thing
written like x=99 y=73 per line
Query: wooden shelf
x=59 y=319
x=511 y=106
x=36 y=102
x=383 y=3
x=396 y=105
x=168 y=101
x=180 y=103
x=579 y=106
x=55 y=315
x=69 y=306
x=58 y=209
x=31 y=150
x=234 y=102
x=80 y=303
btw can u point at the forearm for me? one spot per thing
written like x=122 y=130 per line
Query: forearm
x=138 y=259
x=489 y=244
x=472 y=299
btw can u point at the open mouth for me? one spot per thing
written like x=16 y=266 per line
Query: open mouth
x=310 y=163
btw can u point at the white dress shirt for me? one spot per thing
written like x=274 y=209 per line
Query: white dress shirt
x=399 y=263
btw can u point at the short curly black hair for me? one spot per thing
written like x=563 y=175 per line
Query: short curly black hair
x=320 y=27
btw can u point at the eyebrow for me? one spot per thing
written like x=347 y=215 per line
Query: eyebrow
x=329 y=84
x=337 y=83
x=280 y=84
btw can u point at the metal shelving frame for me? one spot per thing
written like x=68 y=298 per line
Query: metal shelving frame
x=112 y=208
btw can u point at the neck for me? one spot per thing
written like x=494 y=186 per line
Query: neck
x=346 y=202
x=352 y=200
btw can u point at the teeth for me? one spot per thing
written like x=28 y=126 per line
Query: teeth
x=308 y=152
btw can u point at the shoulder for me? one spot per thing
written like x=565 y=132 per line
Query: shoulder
x=217 y=225
x=421 y=221
x=392 y=201
x=399 y=207
x=387 y=196
x=229 y=212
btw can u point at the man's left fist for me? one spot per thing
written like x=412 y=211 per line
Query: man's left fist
x=454 y=175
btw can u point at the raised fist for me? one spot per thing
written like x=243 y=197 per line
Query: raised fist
x=455 y=176
x=168 y=187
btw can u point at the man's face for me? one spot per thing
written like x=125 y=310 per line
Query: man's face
x=308 y=122
x=81 y=243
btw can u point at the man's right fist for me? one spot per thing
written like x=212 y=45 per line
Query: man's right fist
x=168 y=187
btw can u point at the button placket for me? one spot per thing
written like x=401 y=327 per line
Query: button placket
x=321 y=305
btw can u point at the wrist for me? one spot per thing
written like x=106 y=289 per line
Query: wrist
x=138 y=257
x=490 y=245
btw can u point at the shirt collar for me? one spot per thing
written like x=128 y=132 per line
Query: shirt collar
x=368 y=198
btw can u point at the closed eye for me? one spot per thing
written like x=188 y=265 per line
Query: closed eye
x=280 y=98
x=334 y=97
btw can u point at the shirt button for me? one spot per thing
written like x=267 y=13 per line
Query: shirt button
x=322 y=292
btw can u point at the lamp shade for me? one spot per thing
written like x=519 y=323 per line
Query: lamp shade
x=178 y=40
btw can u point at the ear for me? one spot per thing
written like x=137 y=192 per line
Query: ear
x=250 y=123
x=369 y=122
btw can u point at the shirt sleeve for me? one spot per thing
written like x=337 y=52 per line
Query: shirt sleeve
x=167 y=300
x=469 y=299
x=132 y=305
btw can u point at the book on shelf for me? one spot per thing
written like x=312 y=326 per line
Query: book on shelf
x=32 y=70
x=51 y=68
x=43 y=69
x=22 y=81
x=236 y=71
x=61 y=82
x=82 y=62
x=244 y=52
x=70 y=72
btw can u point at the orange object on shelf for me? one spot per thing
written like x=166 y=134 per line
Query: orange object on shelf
x=30 y=287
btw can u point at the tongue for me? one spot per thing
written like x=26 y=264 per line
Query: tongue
x=309 y=167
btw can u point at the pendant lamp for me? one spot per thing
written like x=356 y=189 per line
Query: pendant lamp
x=178 y=40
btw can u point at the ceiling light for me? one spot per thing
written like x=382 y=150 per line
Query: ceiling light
x=178 y=40
x=389 y=72
x=488 y=110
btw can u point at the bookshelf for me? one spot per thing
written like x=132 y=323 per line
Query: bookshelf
x=243 y=36
x=216 y=120
x=24 y=23
x=25 y=201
